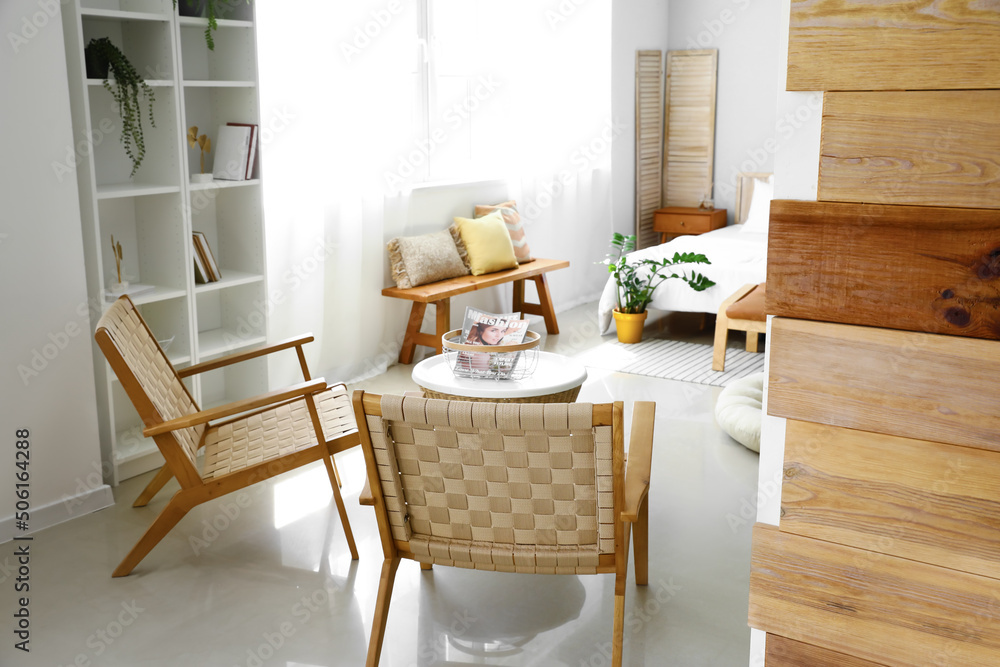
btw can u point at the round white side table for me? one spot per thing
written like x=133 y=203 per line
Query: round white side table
x=557 y=379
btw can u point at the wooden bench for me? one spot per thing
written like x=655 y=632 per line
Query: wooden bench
x=743 y=311
x=440 y=294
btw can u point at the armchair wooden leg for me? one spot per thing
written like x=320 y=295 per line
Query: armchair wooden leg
x=389 y=566
x=426 y=566
x=341 y=509
x=159 y=480
x=412 y=329
x=621 y=575
x=752 y=341
x=640 y=545
x=167 y=519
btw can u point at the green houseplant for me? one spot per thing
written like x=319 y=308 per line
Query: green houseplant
x=126 y=87
x=636 y=281
x=210 y=9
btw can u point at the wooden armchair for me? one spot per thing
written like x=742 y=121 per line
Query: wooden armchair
x=535 y=488
x=264 y=436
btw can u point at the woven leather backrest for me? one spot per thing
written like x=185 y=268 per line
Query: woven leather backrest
x=532 y=476
x=163 y=396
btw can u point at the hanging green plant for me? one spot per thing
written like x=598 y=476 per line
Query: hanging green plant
x=211 y=10
x=126 y=86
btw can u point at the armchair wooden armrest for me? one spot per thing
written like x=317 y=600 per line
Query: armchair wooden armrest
x=640 y=454
x=298 y=342
x=205 y=416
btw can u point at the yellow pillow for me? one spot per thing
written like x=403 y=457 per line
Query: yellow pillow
x=487 y=243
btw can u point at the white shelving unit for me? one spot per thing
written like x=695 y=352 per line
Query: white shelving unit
x=154 y=213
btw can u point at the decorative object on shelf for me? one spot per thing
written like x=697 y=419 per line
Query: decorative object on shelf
x=128 y=86
x=208 y=9
x=637 y=280
x=205 y=144
x=116 y=251
x=253 y=146
x=232 y=152
x=204 y=260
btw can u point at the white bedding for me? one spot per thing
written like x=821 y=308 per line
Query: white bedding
x=737 y=257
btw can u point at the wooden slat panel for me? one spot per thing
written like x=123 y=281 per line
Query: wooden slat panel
x=921 y=386
x=649 y=143
x=921 y=500
x=784 y=652
x=689 y=133
x=893 y=45
x=883 y=609
x=919 y=268
x=932 y=148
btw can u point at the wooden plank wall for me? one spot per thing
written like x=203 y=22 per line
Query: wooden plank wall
x=893 y=45
x=933 y=148
x=885 y=355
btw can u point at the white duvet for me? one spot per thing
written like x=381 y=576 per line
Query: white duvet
x=737 y=257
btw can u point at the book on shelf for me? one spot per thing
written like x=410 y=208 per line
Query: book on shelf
x=253 y=147
x=208 y=257
x=201 y=274
x=231 y=153
x=482 y=328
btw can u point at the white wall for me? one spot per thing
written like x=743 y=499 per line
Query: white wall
x=47 y=382
x=796 y=175
x=745 y=32
x=635 y=25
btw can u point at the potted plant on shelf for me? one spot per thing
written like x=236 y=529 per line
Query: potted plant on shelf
x=637 y=280
x=105 y=60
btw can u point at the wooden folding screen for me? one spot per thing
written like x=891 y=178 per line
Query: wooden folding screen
x=885 y=352
x=689 y=135
x=648 y=143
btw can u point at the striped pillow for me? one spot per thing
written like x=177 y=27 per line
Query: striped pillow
x=512 y=219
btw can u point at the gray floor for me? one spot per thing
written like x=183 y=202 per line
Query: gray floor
x=265 y=578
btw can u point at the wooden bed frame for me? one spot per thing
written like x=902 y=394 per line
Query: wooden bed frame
x=744 y=193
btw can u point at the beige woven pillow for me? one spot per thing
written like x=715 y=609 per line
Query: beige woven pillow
x=418 y=260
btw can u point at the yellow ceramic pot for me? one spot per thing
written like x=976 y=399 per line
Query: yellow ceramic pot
x=629 y=326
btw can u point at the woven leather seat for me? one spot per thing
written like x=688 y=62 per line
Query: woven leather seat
x=245 y=442
x=529 y=488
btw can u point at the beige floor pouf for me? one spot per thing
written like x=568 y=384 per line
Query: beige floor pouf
x=738 y=410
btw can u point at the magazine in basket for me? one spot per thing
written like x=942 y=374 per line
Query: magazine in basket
x=482 y=328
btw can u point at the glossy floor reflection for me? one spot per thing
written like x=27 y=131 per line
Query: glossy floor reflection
x=264 y=577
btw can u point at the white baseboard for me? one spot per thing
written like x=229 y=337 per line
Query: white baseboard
x=58 y=512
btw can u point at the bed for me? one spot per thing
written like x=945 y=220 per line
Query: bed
x=738 y=254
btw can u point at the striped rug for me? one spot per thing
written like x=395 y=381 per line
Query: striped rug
x=672 y=360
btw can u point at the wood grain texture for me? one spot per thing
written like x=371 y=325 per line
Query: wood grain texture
x=918 y=268
x=648 y=143
x=930 y=148
x=784 y=652
x=885 y=609
x=915 y=499
x=893 y=45
x=922 y=386
x=689 y=128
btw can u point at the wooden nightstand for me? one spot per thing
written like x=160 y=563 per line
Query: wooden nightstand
x=678 y=220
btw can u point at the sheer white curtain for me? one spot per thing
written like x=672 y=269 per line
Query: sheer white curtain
x=521 y=93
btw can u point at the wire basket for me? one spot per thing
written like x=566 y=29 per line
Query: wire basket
x=502 y=362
